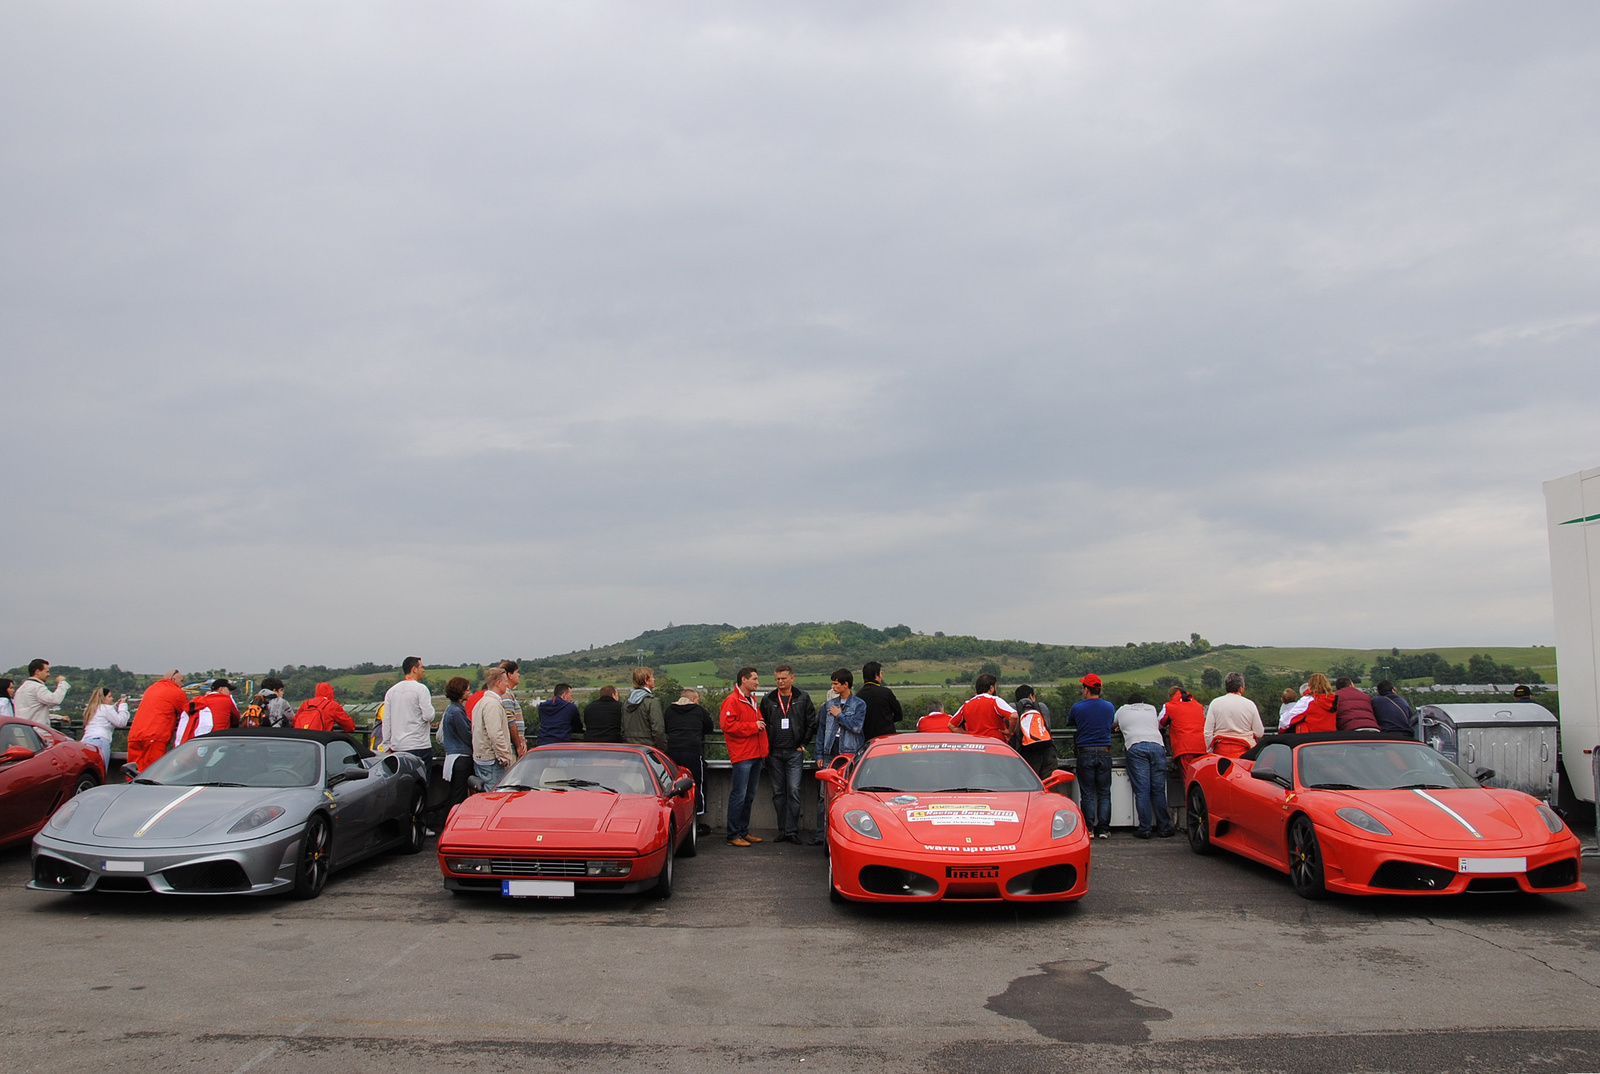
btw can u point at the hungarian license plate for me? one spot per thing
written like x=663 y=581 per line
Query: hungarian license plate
x=1494 y=865
x=122 y=866
x=538 y=889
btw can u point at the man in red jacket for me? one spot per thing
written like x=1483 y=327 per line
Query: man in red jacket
x=322 y=713
x=746 y=734
x=155 y=721
x=216 y=711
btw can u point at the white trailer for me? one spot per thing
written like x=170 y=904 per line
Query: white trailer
x=1572 y=507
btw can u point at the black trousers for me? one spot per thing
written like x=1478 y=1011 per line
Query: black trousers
x=696 y=764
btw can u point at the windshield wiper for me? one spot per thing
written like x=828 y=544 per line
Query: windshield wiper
x=966 y=790
x=578 y=783
x=1427 y=787
x=221 y=784
x=880 y=790
x=150 y=782
x=514 y=787
x=1334 y=787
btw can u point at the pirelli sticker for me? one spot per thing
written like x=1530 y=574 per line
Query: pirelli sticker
x=963 y=813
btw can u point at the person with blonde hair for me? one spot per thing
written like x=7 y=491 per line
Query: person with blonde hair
x=1320 y=715
x=101 y=719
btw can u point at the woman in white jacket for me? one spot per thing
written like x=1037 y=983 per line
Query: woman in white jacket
x=101 y=720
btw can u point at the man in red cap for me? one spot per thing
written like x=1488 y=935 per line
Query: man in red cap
x=1093 y=717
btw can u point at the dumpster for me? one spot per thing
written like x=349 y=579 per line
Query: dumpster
x=1516 y=739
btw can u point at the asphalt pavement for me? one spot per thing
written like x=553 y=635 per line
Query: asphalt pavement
x=1172 y=963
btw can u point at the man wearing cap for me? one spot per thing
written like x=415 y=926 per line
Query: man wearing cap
x=1093 y=717
x=215 y=711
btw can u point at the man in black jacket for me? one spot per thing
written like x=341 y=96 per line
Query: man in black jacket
x=602 y=718
x=883 y=708
x=688 y=724
x=791 y=721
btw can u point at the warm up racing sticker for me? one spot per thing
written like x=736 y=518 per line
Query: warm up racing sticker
x=963 y=813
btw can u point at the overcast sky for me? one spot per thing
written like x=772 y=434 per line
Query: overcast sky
x=345 y=332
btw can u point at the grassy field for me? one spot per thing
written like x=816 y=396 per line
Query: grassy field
x=1539 y=658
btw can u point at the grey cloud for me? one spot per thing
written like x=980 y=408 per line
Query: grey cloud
x=1056 y=324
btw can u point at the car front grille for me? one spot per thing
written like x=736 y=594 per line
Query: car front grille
x=539 y=867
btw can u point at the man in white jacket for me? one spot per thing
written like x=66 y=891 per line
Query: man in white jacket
x=33 y=701
x=491 y=732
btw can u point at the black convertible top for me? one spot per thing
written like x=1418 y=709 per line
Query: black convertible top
x=1325 y=736
x=323 y=737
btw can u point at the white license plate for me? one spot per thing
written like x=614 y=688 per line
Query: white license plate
x=1494 y=865
x=122 y=867
x=538 y=889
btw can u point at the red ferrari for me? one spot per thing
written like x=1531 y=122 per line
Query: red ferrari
x=1362 y=815
x=39 y=769
x=573 y=819
x=918 y=818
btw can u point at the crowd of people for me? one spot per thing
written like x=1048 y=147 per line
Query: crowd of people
x=483 y=733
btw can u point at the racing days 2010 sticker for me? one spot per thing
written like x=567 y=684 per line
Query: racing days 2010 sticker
x=963 y=813
x=919 y=747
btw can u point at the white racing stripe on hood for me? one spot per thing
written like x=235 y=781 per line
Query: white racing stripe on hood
x=168 y=808
x=1459 y=819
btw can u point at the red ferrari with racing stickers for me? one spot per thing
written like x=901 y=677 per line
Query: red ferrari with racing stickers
x=1363 y=814
x=919 y=818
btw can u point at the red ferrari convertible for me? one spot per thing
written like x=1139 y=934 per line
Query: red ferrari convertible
x=1363 y=815
x=918 y=818
x=573 y=819
x=39 y=769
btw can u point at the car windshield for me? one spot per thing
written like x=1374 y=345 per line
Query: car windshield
x=1377 y=766
x=931 y=769
x=618 y=771
x=238 y=762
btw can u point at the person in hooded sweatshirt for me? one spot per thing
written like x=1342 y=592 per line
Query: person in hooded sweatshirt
x=642 y=721
x=602 y=719
x=558 y=717
x=688 y=724
x=214 y=711
x=321 y=712
x=155 y=721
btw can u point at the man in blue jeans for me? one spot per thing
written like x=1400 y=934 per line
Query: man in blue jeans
x=1147 y=766
x=791 y=719
x=1093 y=717
x=745 y=732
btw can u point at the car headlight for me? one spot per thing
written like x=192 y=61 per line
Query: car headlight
x=1551 y=818
x=862 y=822
x=1064 y=823
x=1362 y=819
x=468 y=865
x=256 y=818
x=64 y=814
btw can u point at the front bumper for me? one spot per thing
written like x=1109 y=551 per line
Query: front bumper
x=256 y=867
x=550 y=865
x=1356 y=866
x=874 y=873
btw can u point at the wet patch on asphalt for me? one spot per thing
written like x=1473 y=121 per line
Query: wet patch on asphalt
x=1070 y=1001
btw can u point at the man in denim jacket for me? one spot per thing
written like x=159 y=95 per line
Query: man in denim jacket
x=839 y=734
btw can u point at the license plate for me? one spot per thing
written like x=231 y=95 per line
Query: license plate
x=1494 y=865
x=122 y=866
x=538 y=889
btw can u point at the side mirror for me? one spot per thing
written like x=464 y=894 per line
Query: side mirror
x=1060 y=777
x=680 y=787
x=346 y=775
x=1482 y=775
x=838 y=763
x=14 y=754
x=831 y=775
x=1271 y=775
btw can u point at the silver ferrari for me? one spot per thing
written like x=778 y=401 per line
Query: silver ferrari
x=252 y=811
